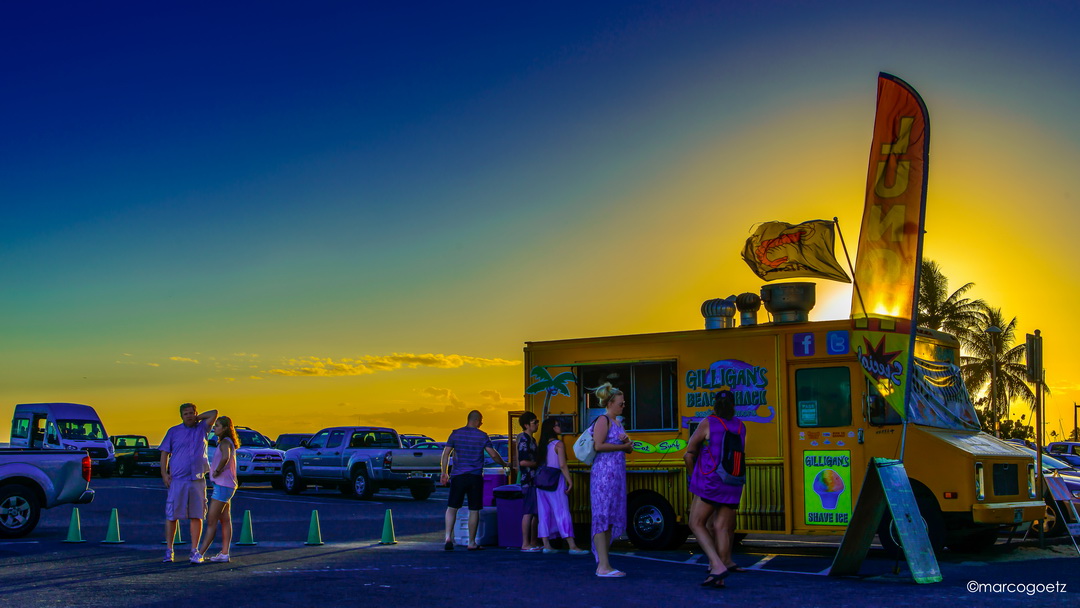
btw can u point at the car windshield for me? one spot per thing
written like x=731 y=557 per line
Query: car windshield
x=251 y=439
x=1049 y=462
x=502 y=446
x=81 y=429
x=131 y=442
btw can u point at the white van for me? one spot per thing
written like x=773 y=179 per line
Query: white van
x=63 y=426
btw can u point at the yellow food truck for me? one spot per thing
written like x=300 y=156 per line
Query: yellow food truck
x=813 y=422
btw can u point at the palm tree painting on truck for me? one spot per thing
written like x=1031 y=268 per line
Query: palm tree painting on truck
x=550 y=386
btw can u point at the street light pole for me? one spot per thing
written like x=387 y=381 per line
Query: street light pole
x=993 y=332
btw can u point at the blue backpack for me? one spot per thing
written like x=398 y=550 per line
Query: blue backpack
x=731 y=468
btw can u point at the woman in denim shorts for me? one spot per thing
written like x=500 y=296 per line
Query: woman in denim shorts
x=223 y=474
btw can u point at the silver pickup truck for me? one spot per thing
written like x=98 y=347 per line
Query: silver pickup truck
x=359 y=460
x=32 y=480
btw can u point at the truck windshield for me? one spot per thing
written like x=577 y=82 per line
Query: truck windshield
x=81 y=429
x=251 y=439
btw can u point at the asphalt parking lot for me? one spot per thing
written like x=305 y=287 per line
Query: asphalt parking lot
x=352 y=567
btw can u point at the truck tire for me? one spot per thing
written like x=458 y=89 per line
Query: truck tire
x=362 y=487
x=277 y=483
x=421 y=492
x=19 y=511
x=932 y=516
x=650 y=522
x=124 y=469
x=292 y=481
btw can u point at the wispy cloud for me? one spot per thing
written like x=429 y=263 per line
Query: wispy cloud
x=184 y=359
x=318 y=366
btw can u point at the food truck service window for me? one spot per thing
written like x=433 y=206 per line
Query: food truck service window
x=650 y=390
x=823 y=397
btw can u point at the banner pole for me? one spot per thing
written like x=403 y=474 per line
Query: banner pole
x=854 y=282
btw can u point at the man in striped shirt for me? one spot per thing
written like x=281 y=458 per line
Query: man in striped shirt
x=468 y=445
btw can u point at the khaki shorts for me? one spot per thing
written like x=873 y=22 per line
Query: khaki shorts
x=186 y=500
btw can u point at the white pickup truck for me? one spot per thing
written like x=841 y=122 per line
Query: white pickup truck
x=32 y=480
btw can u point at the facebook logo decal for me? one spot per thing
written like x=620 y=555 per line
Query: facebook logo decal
x=803 y=344
x=837 y=342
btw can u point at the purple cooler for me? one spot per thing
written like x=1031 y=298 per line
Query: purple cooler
x=509 y=504
x=492 y=481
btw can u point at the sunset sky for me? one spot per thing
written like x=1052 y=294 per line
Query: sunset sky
x=309 y=214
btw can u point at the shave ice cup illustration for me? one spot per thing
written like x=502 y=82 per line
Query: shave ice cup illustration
x=828 y=486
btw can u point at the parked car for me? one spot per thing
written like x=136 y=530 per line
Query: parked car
x=409 y=440
x=357 y=459
x=1068 y=451
x=256 y=461
x=32 y=480
x=63 y=426
x=1053 y=523
x=134 y=455
x=288 y=441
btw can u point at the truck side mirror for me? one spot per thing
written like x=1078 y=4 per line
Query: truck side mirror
x=303 y=443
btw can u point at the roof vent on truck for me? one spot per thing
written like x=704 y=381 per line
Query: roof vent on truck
x=789 y=302
x=748 y=305
x=719 y=313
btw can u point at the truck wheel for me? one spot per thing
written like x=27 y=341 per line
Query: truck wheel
x=932 y=516
x=651 y=522
x=19 y=511
x=277 y=483
x=123 y=469
x=292 y=481
x=362 y=487
x=421 y=492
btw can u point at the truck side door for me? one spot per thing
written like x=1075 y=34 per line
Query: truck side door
x=332 y=461
x=828 y=455
x=311 y=456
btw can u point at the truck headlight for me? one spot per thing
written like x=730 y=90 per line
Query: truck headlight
x=73 y=448
x=980 y=483
x=242 y=456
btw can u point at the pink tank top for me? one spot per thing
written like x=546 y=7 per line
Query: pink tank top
x=228 y=474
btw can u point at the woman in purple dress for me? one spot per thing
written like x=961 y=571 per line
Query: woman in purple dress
x=608 y=478
x=713 y=498
x=554 y=506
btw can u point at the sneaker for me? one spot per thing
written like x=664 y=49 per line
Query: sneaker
x=196 y=557
x=168 y=557
x=220 y=558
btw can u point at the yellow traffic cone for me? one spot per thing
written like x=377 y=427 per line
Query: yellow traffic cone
x=176 y=539
x=314 y=535
x=246 y=539
x=388 y=530
x=75 y=528
x=113 y=536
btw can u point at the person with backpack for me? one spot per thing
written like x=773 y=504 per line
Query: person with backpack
x=715 y=457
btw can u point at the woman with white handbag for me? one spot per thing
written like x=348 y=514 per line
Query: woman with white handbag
x=608 y=478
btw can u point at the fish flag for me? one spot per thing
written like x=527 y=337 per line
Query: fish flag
x=884 y=301
x=778 y=250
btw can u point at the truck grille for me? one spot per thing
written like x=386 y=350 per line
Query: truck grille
x=266 y=458
x=98 y=452
x=1006 y=479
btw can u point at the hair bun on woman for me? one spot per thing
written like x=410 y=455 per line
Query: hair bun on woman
x=605 y=392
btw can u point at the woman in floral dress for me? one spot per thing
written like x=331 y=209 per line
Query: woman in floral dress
x=608 y=479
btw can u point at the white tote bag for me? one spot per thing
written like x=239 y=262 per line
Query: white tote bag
x=585 y=447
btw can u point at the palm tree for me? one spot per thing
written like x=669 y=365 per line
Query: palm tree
x=951 y=313
x=991 y=354
x=550 y=386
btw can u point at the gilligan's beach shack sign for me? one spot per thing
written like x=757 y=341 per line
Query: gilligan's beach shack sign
x=748 y=382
